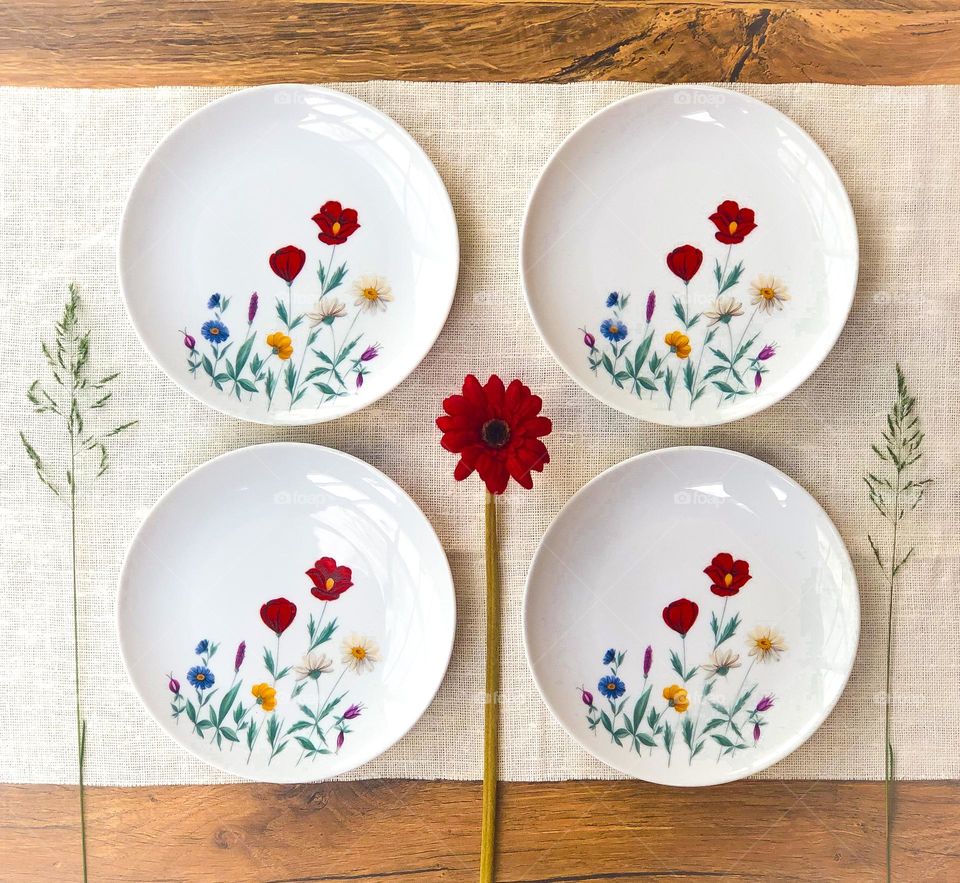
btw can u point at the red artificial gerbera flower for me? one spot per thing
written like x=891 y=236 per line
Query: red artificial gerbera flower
x=685 y=261
x=496 y=432
x=728 y=576
x=287 y=262
x=337 y=224
x=278 y=614
x=733 y=223
x=329 y=580
x=680 y=615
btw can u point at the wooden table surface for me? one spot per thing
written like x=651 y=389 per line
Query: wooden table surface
x=379 y=830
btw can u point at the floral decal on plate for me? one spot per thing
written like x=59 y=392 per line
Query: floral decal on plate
x=709 y=341
x=691 y=711
x=286 y=356
x=232 y=709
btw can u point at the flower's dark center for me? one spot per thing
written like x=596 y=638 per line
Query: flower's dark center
x=495 y=433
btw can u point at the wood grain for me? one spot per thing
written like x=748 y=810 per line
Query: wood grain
x=136 y=43
x=549 y=832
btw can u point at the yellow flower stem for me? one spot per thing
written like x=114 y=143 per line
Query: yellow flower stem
x=491 y=716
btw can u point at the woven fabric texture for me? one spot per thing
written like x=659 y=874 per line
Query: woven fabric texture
x=68 y=161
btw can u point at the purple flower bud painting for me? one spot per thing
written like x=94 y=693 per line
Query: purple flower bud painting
x=765 y=704
x=370 y=353
x=647 y=660
x=757 y=380
x=359 y=379
x=241 y=652
x=768 y=352
x=589 y=340
x=651 y=304
x=189 y=341
x=340 y=738
x=756 y=732
x=586 y=696
x=173 y=685
x=353 y=712
x=252 y=309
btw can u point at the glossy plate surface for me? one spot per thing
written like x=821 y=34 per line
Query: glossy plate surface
x=691 y=616
x=286 y=612
x=689 y=255
x=288 y=254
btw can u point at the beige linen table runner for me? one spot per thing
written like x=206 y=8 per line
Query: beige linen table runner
x=68 y=160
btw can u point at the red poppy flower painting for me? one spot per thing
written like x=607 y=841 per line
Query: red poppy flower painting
x=680 y=615
x=330 y=581
x=728 y=576
x=337 y=224
x=287 y=262
x=496 y=430
x=278 y=614
x=685 y=261
x=733 y=223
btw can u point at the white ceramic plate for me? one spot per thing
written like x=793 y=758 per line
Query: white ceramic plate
x=672 y=674
x=353 y=641
x=299 y=184
x=662 y=241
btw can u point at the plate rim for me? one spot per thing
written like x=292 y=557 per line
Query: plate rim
x=790 y=745
x=663 y=419
x=444 y=306
x=122 y=644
